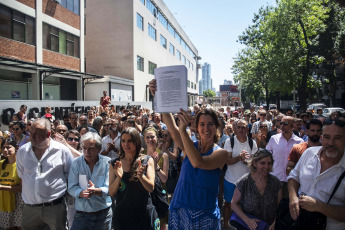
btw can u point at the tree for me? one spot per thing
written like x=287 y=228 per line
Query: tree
x=209 y=93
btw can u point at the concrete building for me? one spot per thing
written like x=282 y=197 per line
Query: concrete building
x=42 y=50
x=206 y=81
x=128 y=39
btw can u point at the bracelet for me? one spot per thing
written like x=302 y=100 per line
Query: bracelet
x=157 y=170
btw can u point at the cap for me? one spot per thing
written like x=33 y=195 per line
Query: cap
x=235 y=112
x=48 y=115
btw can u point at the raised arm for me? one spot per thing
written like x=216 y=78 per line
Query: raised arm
x=148 y=180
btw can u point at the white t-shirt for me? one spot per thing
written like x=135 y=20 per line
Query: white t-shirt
x=107 y=139
x=237 y=170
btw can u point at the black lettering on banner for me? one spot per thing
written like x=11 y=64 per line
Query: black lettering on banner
x=32 y=112
x=58 y=113
x=7 y=114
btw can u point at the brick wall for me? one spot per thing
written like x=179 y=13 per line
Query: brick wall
x=17 y=50
x=31 y=3
x=51 y=8
x=60 y=60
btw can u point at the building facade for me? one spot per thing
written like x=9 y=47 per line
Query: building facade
x=128 y=39
x=42 y=50
x=206 y=81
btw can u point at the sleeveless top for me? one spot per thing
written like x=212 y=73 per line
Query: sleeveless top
x=197 y=189
x=8 y=176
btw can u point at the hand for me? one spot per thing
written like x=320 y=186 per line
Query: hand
x=252 y=223
x=294 y=207
x=140 y=170
x=59 y=138
x=118 y=170
x=243 y=156
x=111 y=146
x=85 y=194
x=308 y=203
x=153 y=86
x=155 y=159
x=184 y=119
x=92 y=189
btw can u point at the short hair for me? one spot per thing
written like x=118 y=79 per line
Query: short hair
x=97 y=121
x=73 y=131
x=92 y=136
x=21 y=124
x=274 y=121
x=73 y=113
x=295 y=120
x=83 y=127
x=259 y=155
x=24 y=106
x=44 y=122
x=313 y=122
x=241 y=121
x=66 y=116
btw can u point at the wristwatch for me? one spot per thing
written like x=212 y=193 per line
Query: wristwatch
x=159 y=168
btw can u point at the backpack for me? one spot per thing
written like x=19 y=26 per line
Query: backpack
x=159 y=196
x=250 y=142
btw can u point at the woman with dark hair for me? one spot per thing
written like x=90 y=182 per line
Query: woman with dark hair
x=195 y=203
x=131 y=179
x=19 y=135
x=83 y=129
x=257 y=194
x=10 y=187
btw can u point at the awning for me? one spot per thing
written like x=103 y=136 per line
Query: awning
x=45 y=68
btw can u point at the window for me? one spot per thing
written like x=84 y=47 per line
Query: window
x=152 y=32
x=178 y=54
x=151 y=7
x=162 y=20
x=72 y=5
x=140 y=22
x=195 y=86
x=163 y=42
x=140 y=63
x=60 y=41
x=171 y=30
x=178 y=38
x=184 y=59
x=188 y=83
x=17 y=26
x=143 y=1
x=172 y=49
x=152 y=67
x=192 y=66
x=191 y=85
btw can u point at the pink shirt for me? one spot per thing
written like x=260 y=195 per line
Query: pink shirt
x=281 y=150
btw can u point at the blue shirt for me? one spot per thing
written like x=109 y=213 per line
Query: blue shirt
x=99 y=177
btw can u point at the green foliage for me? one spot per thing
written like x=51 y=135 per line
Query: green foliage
x=285 y=44
x=209 y=93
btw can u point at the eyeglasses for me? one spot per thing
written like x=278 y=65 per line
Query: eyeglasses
x=261 y=126
x=107 y=125
x=165 y=135
x=263 y=115
x=284 y=123
x=337 y=122
x=16 y=129
x=73 y=139
x=288 y=114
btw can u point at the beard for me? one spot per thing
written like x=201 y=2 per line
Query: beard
x=314 y=138
x=331 y=153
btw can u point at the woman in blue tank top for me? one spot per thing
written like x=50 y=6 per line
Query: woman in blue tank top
x=194 y=204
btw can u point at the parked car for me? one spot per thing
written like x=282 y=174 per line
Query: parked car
x=328 y=111
x=315 y=106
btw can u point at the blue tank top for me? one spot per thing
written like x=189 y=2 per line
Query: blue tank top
x=197 y=189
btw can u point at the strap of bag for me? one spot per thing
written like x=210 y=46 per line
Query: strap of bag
x=337 y=185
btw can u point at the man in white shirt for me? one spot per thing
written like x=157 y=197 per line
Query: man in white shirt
x=281 y=145
x=43 y=165
x=241 y=148
x=316 y=174
x=111 y=143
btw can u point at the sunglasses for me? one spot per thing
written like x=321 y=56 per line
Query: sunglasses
x=73 y=139
x=16 y=129
x=165 y=135
x=337 y=122
x=263 y=114
x=261 y=126
x=61 y=130
x=284 y=123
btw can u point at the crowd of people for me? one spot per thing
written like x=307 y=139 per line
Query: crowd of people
x=99 y=170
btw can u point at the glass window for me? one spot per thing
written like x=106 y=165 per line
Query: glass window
x=54 y=39
x=178 y=38
x=140 y=63
x=162 y=20
x=171 y=49
x=70 y=44
x=151 y=7
x=140 y=22
x=184 y=59
x=143 y=1
x=70 y=5
x=30 y=30
x=76 y=7
x=46 y=36
x=63 y=3
x=188 y=83
x=62 y=42
x=194 y=86
x=178 y=54
x=163 y=42
x=171 y=30
x=5 y=22
x=192 y=66
x=18 y=26
x=76 y=47
x=152 y=67
x=152 y=32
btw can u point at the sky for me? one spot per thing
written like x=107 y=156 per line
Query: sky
x=214 y=27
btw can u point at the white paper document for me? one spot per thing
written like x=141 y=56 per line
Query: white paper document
x=83 y=181
x=171 y=94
